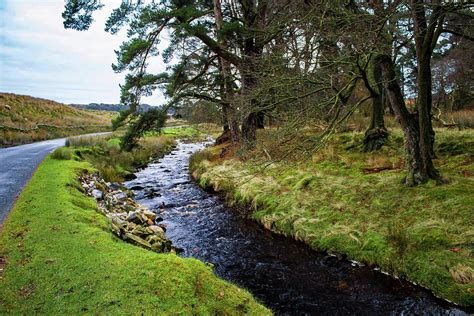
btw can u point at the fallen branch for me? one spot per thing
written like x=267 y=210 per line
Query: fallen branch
x=376 y=169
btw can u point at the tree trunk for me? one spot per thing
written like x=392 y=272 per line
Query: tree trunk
x=260 y=120
x=249 y=130
x=376 y=135
x=416 y=159
x=426 y=35
x=253 y=16
x=427 y=134
x=230 y=124
x=250 y=121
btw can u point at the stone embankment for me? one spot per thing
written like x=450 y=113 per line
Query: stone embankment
x=129 y=220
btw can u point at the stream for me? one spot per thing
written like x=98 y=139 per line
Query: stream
x=284 y=274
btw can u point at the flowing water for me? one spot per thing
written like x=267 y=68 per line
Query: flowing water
x=284 y=274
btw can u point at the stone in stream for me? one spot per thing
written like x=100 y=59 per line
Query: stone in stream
x=129 y=220
x=97 y=194
x=140 y=231
x=150 y=194
x=134 y=217
x=120 y=196
x=157 y=230
x=137 y=188
x=114 y=186
x=117 y=225
x=129 y=208
x=151 y=215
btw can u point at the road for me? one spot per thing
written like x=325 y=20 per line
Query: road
x=17 y=165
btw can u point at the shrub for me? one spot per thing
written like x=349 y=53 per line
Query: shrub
x=62 y=153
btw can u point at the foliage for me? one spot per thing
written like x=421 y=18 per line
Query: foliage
x=152 y=120
x=298 y=63
x=78 y=13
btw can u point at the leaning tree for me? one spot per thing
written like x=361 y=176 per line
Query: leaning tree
x=236 y=33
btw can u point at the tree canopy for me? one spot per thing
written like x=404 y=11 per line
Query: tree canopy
x=296 y=64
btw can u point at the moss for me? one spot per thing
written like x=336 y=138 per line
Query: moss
x=61 y=259
x=422 y=233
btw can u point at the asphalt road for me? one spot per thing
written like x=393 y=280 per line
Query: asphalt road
x=17 y=165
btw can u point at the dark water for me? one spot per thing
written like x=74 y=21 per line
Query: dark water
x=284 y=274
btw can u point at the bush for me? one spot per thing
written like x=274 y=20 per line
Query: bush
x=62 y=153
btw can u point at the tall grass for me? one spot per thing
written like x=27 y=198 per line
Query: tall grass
x=463 y=118
x=115 y=165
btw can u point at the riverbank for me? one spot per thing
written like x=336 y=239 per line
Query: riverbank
x=58 y=256
x=346 y=202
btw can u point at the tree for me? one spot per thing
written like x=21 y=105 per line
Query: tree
x=298 y=62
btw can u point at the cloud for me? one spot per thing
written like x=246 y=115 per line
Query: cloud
x=39 y=57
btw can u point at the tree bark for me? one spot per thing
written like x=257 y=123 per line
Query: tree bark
x=426 y=37
x=376 y=135
x=250 y=121
x=230 y=124
x=253 y=17
x=416 y=160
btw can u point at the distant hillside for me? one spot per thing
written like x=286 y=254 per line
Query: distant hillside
x=25 y=119
x=108 y=107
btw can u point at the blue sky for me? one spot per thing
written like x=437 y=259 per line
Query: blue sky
x=38 y=57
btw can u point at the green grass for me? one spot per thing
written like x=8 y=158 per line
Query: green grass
x=61 y=258
x=185 y=131
x=425 y=234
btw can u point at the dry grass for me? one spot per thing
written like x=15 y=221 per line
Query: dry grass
x=103 y=152
x=25 y=119
x=463 y=118
x=26 y=112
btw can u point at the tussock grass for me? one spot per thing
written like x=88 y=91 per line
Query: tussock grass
x=58 y=257
x=113 y=164
x=425 y=234
x=62 y=153
x=462 y=118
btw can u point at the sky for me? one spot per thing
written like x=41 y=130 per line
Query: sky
x=38 y=57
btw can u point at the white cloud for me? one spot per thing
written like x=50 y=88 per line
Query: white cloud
x=39 y=57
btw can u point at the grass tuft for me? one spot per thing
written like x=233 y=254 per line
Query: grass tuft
x=62 y=153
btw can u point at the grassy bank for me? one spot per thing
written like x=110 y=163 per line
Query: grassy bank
x=58 y=256
x=104 y=154
x=343 y=201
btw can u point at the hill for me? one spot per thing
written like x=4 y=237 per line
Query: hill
x=108 y=107
x=25 y=119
